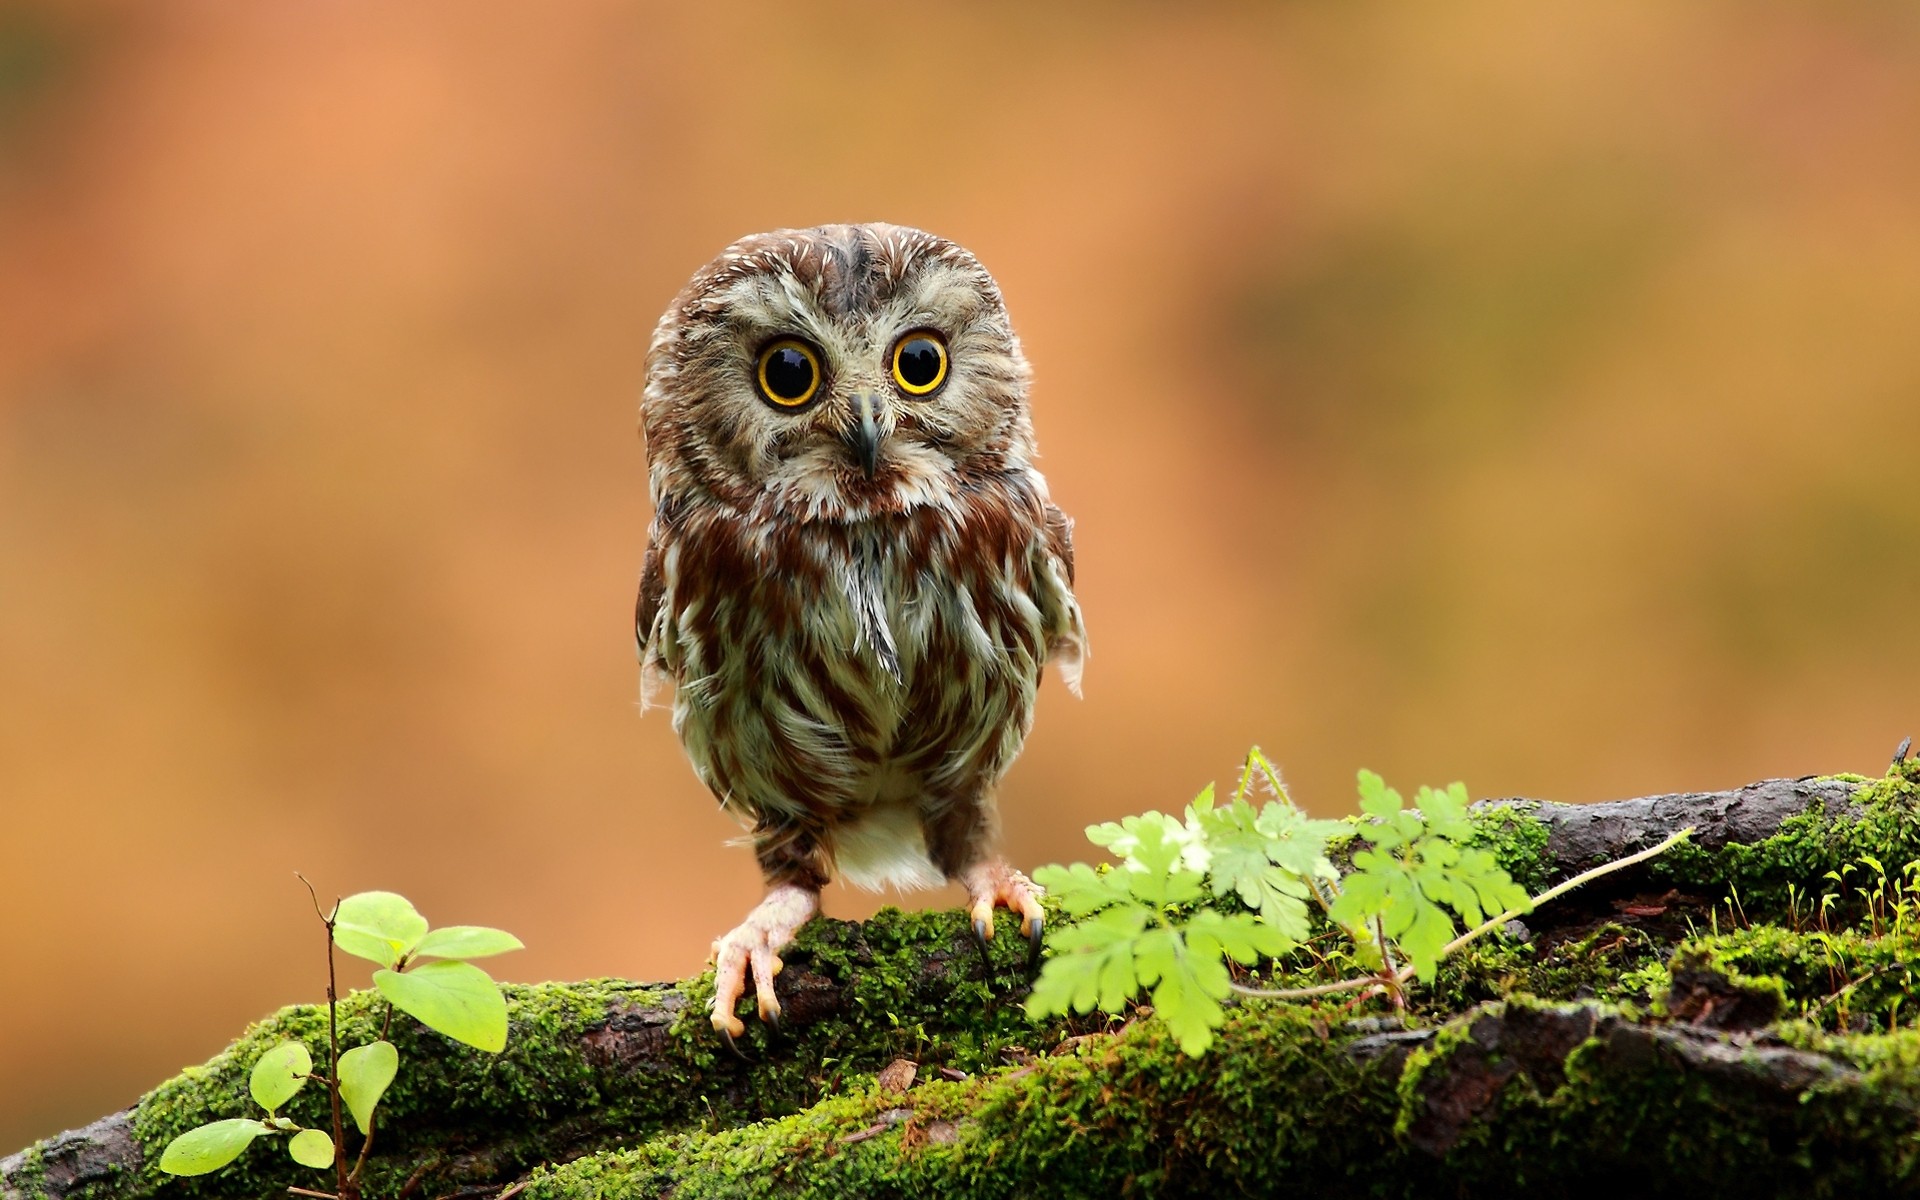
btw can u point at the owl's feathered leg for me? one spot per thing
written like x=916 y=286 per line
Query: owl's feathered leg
x=959 y=838
x=792 y=864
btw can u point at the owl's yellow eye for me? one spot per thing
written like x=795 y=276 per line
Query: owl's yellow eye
x=920 y=363
x=789 y=373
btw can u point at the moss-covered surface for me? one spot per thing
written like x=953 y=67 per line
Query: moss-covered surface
x=606 y=1062
x=1615 y=1041
x=1885 y=825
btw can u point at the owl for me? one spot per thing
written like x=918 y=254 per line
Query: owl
x=854 y=574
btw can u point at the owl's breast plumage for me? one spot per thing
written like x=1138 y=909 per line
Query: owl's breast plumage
x=823 y=668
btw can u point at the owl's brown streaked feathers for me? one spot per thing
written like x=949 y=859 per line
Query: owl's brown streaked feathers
x=854 y=573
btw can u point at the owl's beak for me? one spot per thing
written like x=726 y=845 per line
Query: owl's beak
x=863 y=436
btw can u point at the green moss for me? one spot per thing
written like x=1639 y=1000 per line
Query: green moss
x=31 y=1179
x=1112 y=1116
x=1518 y=841
x=899 y=984
x=542 y=1077
x=1838 y=979
x=1611 y=963
x=1620 y=1107
x=1281 y=1105
x=1885 y=823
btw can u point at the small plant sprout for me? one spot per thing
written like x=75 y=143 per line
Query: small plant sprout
x=1148 y=923
x=448 y=995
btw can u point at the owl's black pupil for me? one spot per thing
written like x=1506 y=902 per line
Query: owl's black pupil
x=789 y=373
x=920 y=362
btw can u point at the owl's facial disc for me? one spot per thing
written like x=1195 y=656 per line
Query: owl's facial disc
x=836 y=373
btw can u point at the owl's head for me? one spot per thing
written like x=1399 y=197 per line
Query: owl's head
x=837 y=372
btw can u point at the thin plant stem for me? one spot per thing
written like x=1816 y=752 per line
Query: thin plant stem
x=346 y=1183
x=412 y=1184
x=1304 y=993
x=1561 y=889
x=1320 y=895
x=299 y=1191
x=366 y=1148
x=1393 y=979
x=366 y=1144
x=1854 y=983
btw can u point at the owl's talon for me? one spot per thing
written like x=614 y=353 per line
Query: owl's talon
x=993 y=884
x=751 y=952
x=726 y=1035
x=982 y=935
x=774 y=1020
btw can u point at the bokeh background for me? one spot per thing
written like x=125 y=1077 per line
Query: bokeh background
x=1524 y=394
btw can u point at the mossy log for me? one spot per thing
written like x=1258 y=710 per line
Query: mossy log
x=1677 y=1028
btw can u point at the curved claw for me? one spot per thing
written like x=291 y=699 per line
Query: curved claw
x=774 y=1020
x=726 y=1035
x=1035 y=931
x=982 y=935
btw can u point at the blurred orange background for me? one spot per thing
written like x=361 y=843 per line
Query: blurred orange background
x=1513 y=393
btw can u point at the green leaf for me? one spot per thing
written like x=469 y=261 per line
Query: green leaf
x=1419 y=866
x=1267 y=873
x=1363 y=895
x=1153 y=833
x=380 y=926
x=1185 y=988
x=1203 y=803
x=1091 y=965
x=1296 y=842
x=1156 y=875
x=1377 y=800
x=1081 y=889
x=1428 y=930
x=467 y=941
x=365 y=1072
x=1445 y=812
x=279 y=1073
x=209 y=1147
x=450 y=997
x=311 y=1148
x=1236 y=935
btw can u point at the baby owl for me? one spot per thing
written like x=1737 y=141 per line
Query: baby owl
x=854 y=575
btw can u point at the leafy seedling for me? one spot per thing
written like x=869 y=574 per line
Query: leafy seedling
x=448 y=995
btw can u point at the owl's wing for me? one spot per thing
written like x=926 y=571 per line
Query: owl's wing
x=646 y=607
x=1066 y=632
x=646 y=618
x=1060 y=538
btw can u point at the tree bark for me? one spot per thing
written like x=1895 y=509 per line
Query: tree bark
x=614 y=1088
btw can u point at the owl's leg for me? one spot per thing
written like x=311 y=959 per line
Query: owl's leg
x=794 y=872
x=958 y=840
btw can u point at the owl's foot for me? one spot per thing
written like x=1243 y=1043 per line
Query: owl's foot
x=993 y=885
x=754 y=946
